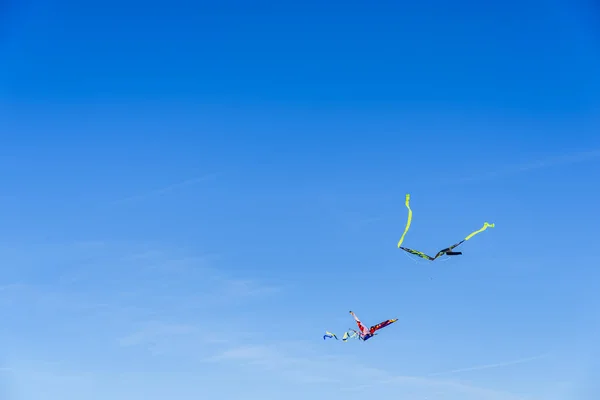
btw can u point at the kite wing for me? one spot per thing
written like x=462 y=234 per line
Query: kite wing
x=363 y=329
x=448 y=251
x=418 y=253
x=382 y=325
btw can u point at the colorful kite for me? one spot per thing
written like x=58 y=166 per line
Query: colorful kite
x=448 y=250
x=364 y=333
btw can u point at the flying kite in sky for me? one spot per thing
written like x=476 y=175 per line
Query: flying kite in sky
x=363 y=333
x=366 y=334
x=448 y=250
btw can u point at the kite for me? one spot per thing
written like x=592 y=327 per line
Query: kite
x=364 y=333
x=448 y=250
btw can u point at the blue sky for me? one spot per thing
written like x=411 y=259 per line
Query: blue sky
x=193 y=193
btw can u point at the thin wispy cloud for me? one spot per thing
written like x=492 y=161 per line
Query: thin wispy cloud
x=174 y=339
x=293 y=366
x=434 y=387
x=304 y=365
x=247 y=288
x=129 y=305
x=473 y=391
x=565 y=159
x=166 y=189
x=491 y=366
x=351 y=220
x=155 y=331
x=136 y=288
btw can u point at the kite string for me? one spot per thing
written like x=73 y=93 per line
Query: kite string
x=411 y=258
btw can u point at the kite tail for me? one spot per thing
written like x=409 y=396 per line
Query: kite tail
x=485 y=226
x=408 y=221
x=350 y=334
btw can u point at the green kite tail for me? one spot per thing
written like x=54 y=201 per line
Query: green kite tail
x=407 y=203
x=485 y=226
